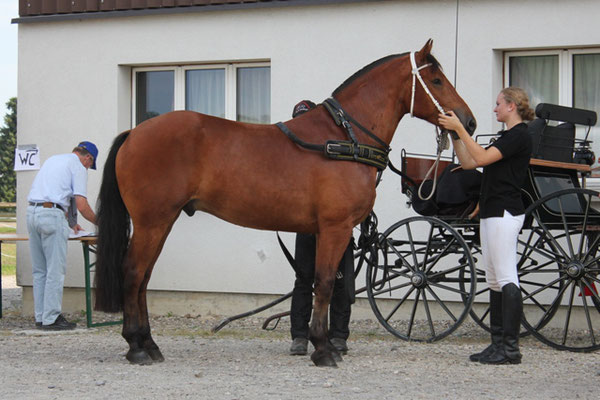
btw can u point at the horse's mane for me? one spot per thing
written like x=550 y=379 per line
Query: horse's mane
x=430 y=58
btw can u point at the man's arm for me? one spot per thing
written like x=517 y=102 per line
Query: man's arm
x=84 y=208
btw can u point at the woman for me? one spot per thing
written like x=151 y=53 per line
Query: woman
x=501 y=212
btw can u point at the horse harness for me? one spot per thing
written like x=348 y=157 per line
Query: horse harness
x=346 y=150
x=352 y=150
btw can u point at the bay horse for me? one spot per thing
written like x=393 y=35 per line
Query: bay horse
x=254 y=176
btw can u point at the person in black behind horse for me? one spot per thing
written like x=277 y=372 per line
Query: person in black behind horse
x=339 y=309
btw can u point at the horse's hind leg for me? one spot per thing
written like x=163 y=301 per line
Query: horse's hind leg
x=330 y=247
x=145 y=246
x=147 y=342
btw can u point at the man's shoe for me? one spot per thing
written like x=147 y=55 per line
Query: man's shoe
x=488 y=351
x=60 y=324
x=38 y=325
x=299 y=347
x=340 y=345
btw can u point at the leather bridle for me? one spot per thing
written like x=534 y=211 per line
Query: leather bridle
x=442 y=136
x=416 y=74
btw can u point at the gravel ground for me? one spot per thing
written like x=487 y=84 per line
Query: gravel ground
x=244 y=362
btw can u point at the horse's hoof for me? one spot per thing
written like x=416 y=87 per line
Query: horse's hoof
x=155 y=355
x=323 y=359
x=139 y=357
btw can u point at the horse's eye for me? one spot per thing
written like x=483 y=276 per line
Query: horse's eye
x=437 y=81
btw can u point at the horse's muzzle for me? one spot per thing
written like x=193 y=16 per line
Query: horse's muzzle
x=471 y=125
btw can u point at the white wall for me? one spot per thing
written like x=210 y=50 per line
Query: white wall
x=75 y=84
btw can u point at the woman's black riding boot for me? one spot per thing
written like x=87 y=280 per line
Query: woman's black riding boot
x=512 y=309
x=495 y=326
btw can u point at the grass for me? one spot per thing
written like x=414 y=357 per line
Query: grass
x=9 y=254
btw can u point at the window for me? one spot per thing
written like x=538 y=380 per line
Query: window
x=154 y=94
x=240 y=92
x=566 y=77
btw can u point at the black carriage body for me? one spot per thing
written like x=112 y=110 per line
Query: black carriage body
x=543 y=181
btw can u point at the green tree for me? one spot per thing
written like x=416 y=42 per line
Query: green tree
x=8 y=142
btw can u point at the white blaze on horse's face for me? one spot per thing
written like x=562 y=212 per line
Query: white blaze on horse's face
x=416 y=74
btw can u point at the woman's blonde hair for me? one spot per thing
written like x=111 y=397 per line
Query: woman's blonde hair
x=519 y=98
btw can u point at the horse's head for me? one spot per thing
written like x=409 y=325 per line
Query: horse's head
x=432 y=93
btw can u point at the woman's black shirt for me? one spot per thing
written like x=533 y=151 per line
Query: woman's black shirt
x=502 y=180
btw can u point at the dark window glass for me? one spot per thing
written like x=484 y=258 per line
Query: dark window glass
x=154 y=94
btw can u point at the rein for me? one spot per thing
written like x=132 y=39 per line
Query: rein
x=345 y=150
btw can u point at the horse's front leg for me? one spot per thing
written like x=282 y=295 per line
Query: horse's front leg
x=330 y=249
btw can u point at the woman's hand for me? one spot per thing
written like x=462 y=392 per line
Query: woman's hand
x=450 y=121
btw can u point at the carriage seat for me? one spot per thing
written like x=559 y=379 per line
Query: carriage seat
x=556 y=142
x=456 y=193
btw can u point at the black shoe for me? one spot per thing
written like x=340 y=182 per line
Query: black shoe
x=38 y=325
x=495 y=327
x=340 y=345
x=512 y=309
x=60 y=324
x=299 y=346
x=488 y=351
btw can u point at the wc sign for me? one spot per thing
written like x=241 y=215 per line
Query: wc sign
x=27 y=157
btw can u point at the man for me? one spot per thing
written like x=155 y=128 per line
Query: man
x=61 y=182
x=340 y=307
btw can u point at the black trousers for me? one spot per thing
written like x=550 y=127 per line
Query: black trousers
x=339 y=309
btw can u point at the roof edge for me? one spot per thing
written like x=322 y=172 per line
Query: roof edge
x=177 y=10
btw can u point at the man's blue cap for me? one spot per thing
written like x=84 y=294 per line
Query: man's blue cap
x=92 y=149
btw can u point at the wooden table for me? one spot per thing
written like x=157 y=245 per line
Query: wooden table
x=88 y=244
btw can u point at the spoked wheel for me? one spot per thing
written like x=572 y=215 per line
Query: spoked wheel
x=422 y=284
x=559 y=268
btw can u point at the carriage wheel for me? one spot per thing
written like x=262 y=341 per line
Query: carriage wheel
x=413 y=287
x=559 y=268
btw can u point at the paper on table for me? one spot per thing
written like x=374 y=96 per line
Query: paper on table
x=81 y=233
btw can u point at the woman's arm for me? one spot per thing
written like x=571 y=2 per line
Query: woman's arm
x=465 y=159
x=473 y=154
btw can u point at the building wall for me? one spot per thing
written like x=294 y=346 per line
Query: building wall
x=75 y=84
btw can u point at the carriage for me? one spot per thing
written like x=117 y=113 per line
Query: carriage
x=423 y=270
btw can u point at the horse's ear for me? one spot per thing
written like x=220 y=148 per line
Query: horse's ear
x=427 y=48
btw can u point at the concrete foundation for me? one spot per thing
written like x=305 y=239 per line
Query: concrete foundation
x=229 y=304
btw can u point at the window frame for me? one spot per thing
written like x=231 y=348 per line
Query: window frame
x=180 y=83
x=565 y=68
x=565 y=92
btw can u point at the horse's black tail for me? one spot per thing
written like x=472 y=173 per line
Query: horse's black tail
x=113 y=236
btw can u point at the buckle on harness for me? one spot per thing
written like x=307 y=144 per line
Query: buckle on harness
x=337 y=148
